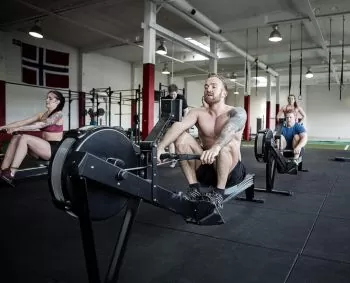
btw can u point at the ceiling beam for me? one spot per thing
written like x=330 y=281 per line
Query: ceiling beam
x=221 y=39
x=165 y=33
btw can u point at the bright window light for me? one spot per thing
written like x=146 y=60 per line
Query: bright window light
x=260 y=81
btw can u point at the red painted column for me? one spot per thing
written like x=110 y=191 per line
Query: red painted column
x=278 y=86
x=133 y=112
x=147 y=99
x=268 y=101
x=268 y=114
x=277 y=109
x=81 y=109
x=2 y=103
x=246 y=132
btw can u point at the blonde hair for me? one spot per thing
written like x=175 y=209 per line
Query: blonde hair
x=221 y=78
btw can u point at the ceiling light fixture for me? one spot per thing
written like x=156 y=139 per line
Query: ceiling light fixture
x=275 y=35
x=165 y=70
x=309 y=74
x=36 y=30
x=161 y=48
x=233 y=77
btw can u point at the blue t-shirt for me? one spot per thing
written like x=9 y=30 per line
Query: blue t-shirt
x=289 y=133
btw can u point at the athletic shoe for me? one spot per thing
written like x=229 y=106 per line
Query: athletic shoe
x=292 y=167
x=215 y=198
x=192 y=194
x=7 y=176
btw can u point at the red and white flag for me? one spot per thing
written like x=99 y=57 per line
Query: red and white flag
x=44 y=67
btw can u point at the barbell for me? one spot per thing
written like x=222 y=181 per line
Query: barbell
x=99 y=112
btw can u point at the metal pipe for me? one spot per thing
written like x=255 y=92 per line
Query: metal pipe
x=220 y=38
x=189 y=10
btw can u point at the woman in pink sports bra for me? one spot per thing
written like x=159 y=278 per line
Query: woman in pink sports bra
x=292 y=105
x=51 y=125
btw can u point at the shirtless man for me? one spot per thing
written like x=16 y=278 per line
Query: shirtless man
x=220 y=129
x=292 y=105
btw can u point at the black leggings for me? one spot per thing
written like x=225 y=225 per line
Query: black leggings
x=207 y=176
x=54 y=147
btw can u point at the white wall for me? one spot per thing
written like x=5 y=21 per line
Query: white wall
x=26 y=101
x=98 y=71
x=328 y=116
x=102 y=72
x=195 y=91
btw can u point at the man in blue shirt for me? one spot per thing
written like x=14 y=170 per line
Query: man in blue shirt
x=293 y=135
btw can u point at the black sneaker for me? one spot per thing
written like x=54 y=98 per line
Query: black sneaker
x=7 y=176
x=192 y=194
x=215 y=198
x=292 y=167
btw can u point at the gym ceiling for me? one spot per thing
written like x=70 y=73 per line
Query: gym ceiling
x=114 y=28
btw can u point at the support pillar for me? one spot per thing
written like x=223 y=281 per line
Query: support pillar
x=133 y=113
x=246 y=133
x=81 y=109
x=268 y=101
x=278 y=88
x=2 y=103
x=150 y=12
x=247 y=92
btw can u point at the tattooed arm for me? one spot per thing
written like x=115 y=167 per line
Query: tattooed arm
x=42 y=124
x=235 y=123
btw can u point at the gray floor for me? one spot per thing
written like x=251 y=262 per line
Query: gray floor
x=299 y=238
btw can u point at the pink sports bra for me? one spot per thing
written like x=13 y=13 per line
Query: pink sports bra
x=53 y=129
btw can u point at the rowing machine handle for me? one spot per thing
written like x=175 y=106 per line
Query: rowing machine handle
x=180 y=156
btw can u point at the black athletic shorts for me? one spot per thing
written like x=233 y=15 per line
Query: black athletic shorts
x=207 y=176
x=54 y=147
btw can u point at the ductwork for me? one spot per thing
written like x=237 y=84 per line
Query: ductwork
x=171 y=7
x=186 y=8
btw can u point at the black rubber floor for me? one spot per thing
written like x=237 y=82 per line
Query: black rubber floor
x=294 y=239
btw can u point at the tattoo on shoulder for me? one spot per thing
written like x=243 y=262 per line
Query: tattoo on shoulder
x=54 y=118
x=238 y=117
x=236 y=122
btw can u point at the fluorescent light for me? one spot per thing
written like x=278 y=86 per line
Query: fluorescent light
x=197 y=43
